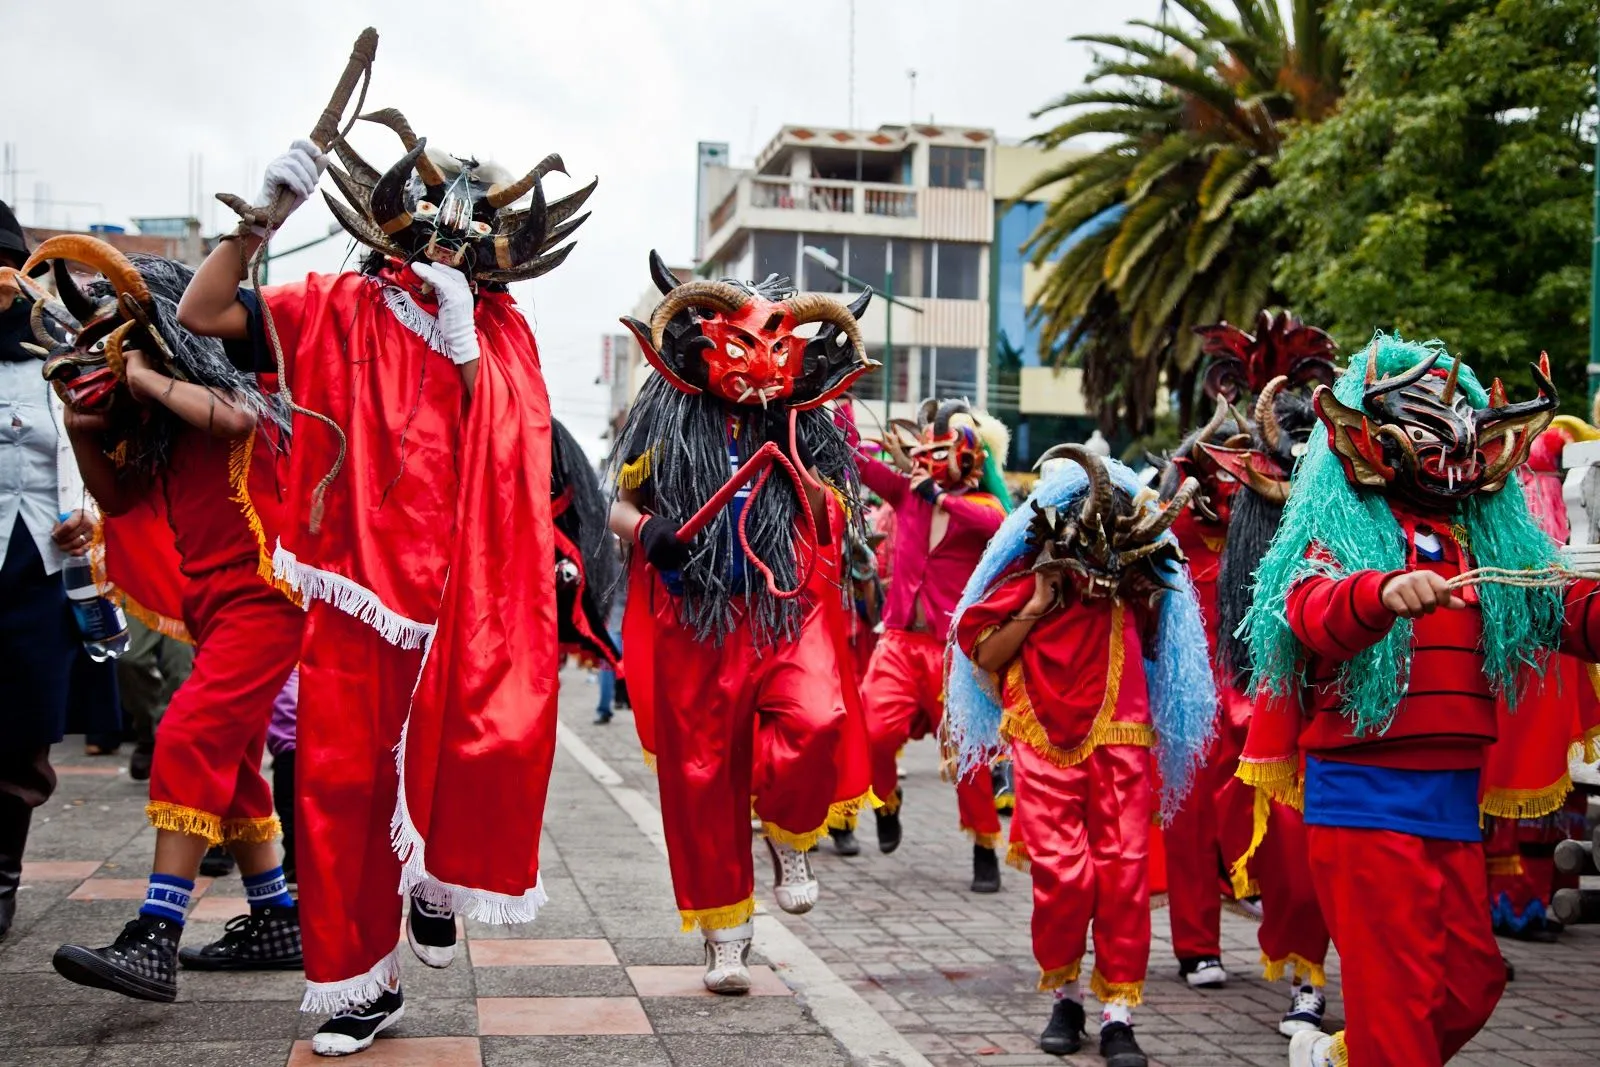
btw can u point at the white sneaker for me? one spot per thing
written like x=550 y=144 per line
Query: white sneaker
x=793 y=883
x=431 y=932
x=727 y=955
x=1311 y=1049
x=1204 y=972
x=1305 y=1012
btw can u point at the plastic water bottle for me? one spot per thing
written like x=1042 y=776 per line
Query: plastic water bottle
x=100 y=619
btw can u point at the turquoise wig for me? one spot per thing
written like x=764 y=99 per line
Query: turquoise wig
x=1183 y=695
x=1356 y=528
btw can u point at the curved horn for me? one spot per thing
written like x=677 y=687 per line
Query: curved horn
x=815 y=307
x=1449 y=392
x=1155 y=523
x=392 y=118
x=722 y=296
x=91 y=252
x=927 y=410
x=502 y=193
x=1218 y=417
x=1097 y=501
x=1376 y=389
x=114 y=357
x=662 y=274
x=515 y=249
x=1267 y=416
x=389 y=195
x=858 y=306
x=41 y=328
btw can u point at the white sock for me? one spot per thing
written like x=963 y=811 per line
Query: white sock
x=1072 y=991
x=1116 y=1013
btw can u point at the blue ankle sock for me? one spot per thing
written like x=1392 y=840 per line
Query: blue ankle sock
x=268 y=890
x=168 y=898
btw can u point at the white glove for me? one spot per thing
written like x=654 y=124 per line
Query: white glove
x=297 y=171
x=457 y=329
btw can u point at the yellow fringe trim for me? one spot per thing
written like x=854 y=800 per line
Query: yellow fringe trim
x=1280 y=778
x=153 y=620
x=1130 y=994
x=165 y=815
x=1506 y=866
x=1017 y=856
x=251 y=831
x=993 y=840
x=723 y=918
x=888 y=805
x=1592 y=672
x=1240 y=872
x=841 y=820
x=634 y=475
x=799 y=842
x=649 y=759
x=1021 y=724
x=1061 y=976
x=1587 y=747
x=239 y=477
x=1339 y=1054
x=1526 y=803
x=1303 y=969
x=1006 y=803
x=842 y=814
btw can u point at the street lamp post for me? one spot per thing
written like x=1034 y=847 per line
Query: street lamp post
x=830 y=263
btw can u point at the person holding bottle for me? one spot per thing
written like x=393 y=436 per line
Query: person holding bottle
x=38 y=483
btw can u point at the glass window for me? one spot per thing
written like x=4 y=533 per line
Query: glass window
x=816 y=277
x=956 y=270
x=955 y=373
x=775 y=254
x=955 y=168
x=869 y=256
x=870 y=386
x=910 y=260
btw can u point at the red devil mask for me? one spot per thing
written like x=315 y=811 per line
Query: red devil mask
x=737 y=341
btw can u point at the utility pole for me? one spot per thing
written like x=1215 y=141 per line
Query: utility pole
x=1594 y=269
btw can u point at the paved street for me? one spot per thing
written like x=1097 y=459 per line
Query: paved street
x=899 y=964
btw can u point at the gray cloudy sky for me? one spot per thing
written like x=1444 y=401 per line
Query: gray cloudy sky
x=109 y=101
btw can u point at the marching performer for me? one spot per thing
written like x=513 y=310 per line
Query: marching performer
x=947 y=504
x=428 y=683
x=1079 y=645
x=734 y=488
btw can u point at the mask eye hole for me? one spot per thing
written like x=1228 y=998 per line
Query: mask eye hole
x=734 y=351
x=1420 y=436
x=98 y=348
x=481 y=228
x=426 y=208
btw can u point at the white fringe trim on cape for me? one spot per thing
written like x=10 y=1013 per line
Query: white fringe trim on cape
x=350 y=597
x=419 y=322
x=496 y=909
x=330 y=998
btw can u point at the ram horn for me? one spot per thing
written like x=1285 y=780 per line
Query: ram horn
x=1218 y=417
x=1155 y=523
x=91 y=252
x=502 y=193
x=1097 y=501
x=1267 y=415
x=720 y=296
x=815 y=307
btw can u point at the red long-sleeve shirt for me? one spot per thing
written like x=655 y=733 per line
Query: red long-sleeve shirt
x=934 y=575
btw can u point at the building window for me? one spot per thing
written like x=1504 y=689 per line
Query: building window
x=949 y=373
x=955 y=168
x=912 y=261
x=815 y=277
x=869 y=259
x=956 y=271
x=870 y=386
x=775 y=253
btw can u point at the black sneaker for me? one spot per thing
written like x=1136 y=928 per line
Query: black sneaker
x=985 y=870
x=431 y=932
x=889 y=824
x=1202 y=972
x=1119 y=1048
x=142 y=963
x=144 y=754
x=1064 y=1035
x=264 y=940
x=844 y=842
x=218 y=862
x=352 y=1031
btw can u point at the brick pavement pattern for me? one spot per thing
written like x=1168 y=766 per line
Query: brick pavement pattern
x=603 y=977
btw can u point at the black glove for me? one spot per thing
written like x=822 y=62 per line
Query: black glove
x=661 y=545
x=929 y=490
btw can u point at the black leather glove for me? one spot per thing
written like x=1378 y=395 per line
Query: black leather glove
x=928 y=489
x=661 y=545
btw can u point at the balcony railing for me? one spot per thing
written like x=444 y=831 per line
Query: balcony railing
x=830 y=197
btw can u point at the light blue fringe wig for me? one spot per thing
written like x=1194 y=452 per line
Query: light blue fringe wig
x=1183 y=695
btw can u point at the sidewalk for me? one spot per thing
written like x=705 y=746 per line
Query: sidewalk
x=897 y=947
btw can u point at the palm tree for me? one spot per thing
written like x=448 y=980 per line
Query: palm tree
x=1146 y=227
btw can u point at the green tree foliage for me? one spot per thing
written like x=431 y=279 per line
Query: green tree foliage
x=1195 y=116
x=1450 y=194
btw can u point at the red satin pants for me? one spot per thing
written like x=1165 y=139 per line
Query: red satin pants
x=1087 y=831
x=1292 y=935
x=1212 y=827
x=355 y=690
x=903 y=696
x=1421 y=970
x=734 y=723
x=206 y=779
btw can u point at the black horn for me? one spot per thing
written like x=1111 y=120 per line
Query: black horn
x=389 y=195
x=662 y=274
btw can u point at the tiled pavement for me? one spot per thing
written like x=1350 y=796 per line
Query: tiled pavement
x=604 y=978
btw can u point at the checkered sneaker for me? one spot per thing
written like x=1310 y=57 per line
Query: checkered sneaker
x=141 y=963
x=267 y=939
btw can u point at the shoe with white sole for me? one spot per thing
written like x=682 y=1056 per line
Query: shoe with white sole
x=1305 y=1012
x=1203 y=972
x=727 y=959
x=1311 y=1049
x=793 y=882
x=353 y=1031
x=431 y=932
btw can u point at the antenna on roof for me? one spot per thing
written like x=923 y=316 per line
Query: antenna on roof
x=911 y=111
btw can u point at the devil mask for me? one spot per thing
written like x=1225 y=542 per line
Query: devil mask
x=737 y=340
x=1419 y=438
x=1111 y=545
x=951 y=444
x=454 y=211
x=1195 y=461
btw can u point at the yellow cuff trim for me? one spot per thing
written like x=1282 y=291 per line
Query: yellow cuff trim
x=1296 y=965
x=251 y=831
x=799 y=842
x=1130 y=994
x=993 y=840
x=649 y=759
x=165 y=815
x=1587 y=747
x=1526 y=803
x=1017 y=856
x=1279 y=777
x=1505 y=866
x=723 y=918
x=842 y=815
x=634 y=475
x=1061 y=976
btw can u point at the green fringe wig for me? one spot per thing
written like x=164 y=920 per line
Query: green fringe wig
x=1356 y=527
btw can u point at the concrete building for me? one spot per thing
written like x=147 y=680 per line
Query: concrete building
x=176 y=237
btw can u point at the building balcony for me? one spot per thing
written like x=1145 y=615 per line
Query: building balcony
x=765 y=202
